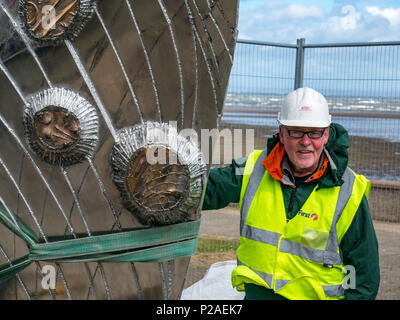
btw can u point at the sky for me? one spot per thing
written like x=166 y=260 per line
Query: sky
x=356 y=71
x=319 y=21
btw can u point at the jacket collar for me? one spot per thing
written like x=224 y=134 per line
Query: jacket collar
x=277 y=164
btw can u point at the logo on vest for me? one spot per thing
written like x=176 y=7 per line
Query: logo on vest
x=312 y=216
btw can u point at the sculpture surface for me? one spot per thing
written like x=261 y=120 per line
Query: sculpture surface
x=89 y=92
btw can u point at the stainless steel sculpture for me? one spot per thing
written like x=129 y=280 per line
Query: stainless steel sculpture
x=88 y=90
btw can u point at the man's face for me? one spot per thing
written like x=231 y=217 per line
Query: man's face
x=303 y=153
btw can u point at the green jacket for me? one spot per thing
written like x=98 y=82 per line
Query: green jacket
x=359 y=246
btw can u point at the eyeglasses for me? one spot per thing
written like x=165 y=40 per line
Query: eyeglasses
x=315 y=134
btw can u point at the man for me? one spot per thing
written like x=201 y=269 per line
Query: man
x=305 y=230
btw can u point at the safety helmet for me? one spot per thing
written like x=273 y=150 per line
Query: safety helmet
x=305 y=107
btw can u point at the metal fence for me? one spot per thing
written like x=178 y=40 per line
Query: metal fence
x=361 y=82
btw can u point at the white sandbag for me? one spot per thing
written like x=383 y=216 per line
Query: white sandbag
x=216 y=284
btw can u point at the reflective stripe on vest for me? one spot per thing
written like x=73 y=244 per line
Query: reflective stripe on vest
x=265 y=276
x=330 y=291
x=335 y=290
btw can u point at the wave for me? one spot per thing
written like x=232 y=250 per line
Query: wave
x=258 y=100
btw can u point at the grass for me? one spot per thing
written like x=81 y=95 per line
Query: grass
x=215 y=245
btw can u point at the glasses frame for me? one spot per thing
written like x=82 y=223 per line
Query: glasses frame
x=308 y=133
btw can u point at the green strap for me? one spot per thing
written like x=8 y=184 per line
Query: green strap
x=155 y=254
x=16 y=225
x=7 y=270
x=113 y=242
x=145 y=245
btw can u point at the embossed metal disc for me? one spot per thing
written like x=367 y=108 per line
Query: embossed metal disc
x=50 y=21
x=56 y=128
x=61 y=126
x=157 y=187
x=158 y=173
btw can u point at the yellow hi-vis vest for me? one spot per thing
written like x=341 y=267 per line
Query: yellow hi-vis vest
x=300 y=258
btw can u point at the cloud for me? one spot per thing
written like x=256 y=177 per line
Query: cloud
x=278 y=21
x=391 y=14
x=352 y=25
x=347 y=21
x=299 y=11
x=343 y=26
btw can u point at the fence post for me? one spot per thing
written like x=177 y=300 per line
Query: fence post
x=298 y=77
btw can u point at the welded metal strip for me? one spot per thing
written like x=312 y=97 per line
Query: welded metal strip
x=25 y=39
x=130 y=86
x=219 y=31
x=207 y=62
x=78 y=205
x=34 y=218
x=147 y=58
x=93 y=91
x=136 y=278
x=163 y=281
x=178 y=59
x=214 y=55
x=30 y=210
x=67 y=291
x=21 y=282
x=196 y=66
x=10 y=78
x=76 y=199
x=170 y=278
x=209 y=69
x=103 y=276
x=105 y=193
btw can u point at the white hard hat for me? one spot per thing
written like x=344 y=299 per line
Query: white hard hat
x=305 y=107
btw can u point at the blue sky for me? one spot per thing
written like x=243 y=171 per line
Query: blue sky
x=365 y=71
x=322 y=21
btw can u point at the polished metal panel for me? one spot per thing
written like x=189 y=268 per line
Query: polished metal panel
x=129 y=64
